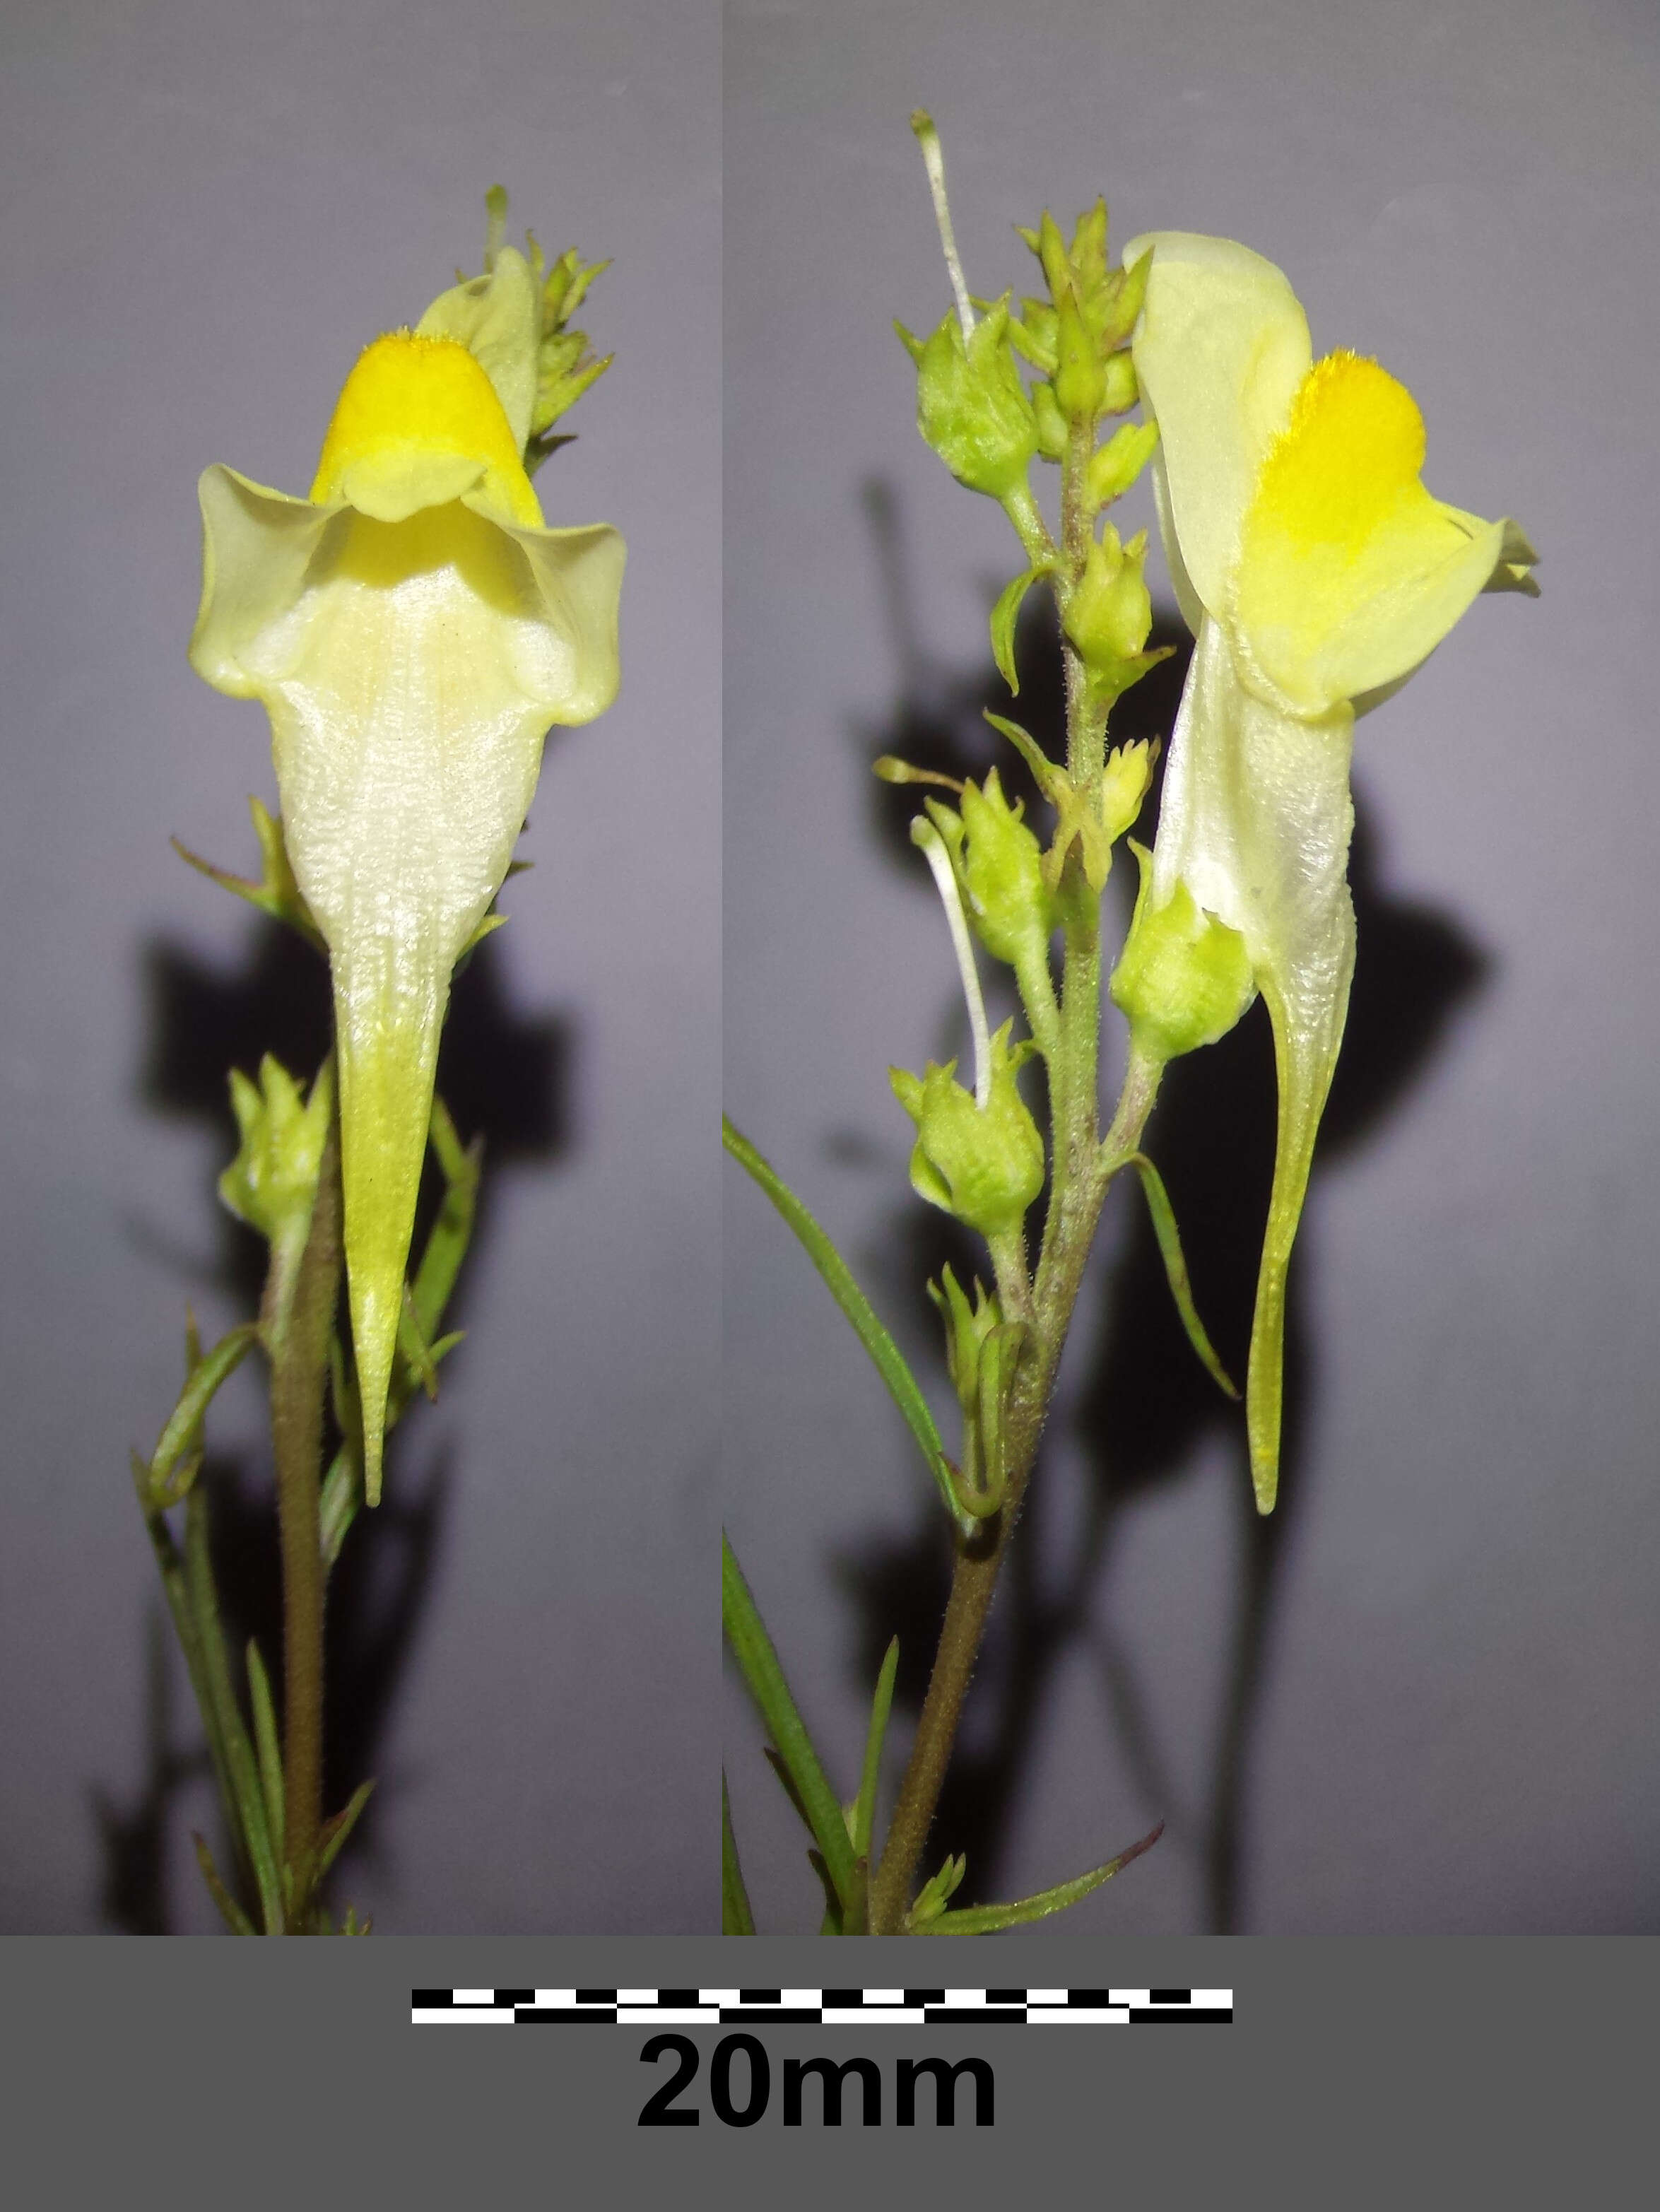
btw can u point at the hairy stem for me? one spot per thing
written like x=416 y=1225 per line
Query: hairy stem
x=1077 y=1187
x=298 y=1340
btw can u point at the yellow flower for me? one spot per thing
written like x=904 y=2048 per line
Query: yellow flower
x=412 y=629
x=1316 y=573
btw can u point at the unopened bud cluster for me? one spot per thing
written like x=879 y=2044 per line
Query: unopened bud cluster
x=1080 y=335
x=271 y=1184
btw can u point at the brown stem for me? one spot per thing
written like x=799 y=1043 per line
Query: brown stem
x=1078 y=1185
x=299 y=1366
x=977 y=1566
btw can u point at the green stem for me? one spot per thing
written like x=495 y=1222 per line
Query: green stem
x=1077 y=1185
x=1086 y=722
x=975 y=1569
x=298 y=1341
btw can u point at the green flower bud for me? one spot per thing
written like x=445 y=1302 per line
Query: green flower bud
x=272 y=1182
x=1093 y=822
x=1184 y=978
x=1051 y=422
x=971 y=405
x=1035 y=334
x=1081 y=342
x=982 y=1352
x=983 y=1163
x=1110 y=612
x=1127 y=295
x=1113 y=467
x=1122 y=390
x=1124 y=781
x=1088 y=255
x=967 y=1329
x=1078 y=384
x=931 y=1898
x=1002 y=875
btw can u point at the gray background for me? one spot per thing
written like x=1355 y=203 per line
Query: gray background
x=1443 y=1717
x=1519 y=2084
x=210 y=207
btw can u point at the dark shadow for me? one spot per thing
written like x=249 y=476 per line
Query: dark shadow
x=377 y=1596
x=505 y=1075
x=134 y=1841
x=1146 y=1405
x=1149 y=1406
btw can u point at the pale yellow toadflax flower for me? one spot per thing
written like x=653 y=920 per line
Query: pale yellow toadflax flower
x=413 y=629
x=1316 y=573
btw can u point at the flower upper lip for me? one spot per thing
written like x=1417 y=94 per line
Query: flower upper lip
x=1290 y=495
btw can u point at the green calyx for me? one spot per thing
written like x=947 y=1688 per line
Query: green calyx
x=983 y=1164
x=971 y=405
x=1184 y=978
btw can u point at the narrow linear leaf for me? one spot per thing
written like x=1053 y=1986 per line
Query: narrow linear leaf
x=275 y=893
x=864 y=1811
x=1005 y=616
x=229 y=1911
x=179 y=1439
x=246 y=1808
x=487 y=927
x=267 y=1747
x=758 y=1661
x=336 y=1832
x=786 y=1783
x=855 y=1920
x=341 y=1501
x=446 y=1245
x=1176 y=1268
x=884 y=1353
x=412 y=1344
x=171 y=1567
x=831 y=1925
x=987 y=1919
x=1049 y=778
x=736 y=1918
